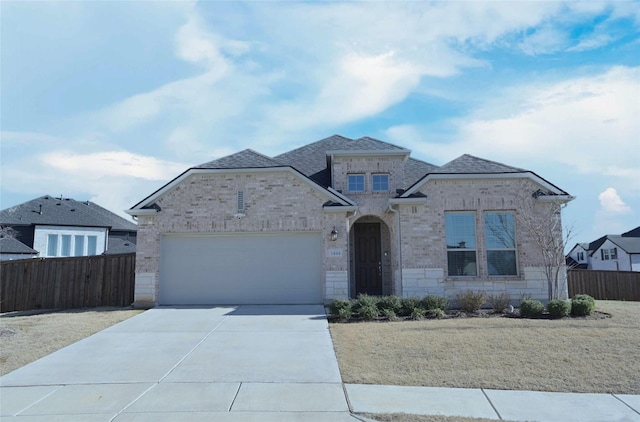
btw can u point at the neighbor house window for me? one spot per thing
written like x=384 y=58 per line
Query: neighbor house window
x=78 y=246
x=460 y=230
x=92 y=245
x=380 y=182
x=500 y=241
x=580 y=256
x=65 y=249
x=608 y=254
x=356 y=182
x=52 y=245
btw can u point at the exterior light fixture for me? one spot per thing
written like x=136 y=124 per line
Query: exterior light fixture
x=334 y=234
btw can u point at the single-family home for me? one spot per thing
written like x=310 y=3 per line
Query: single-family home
x=59 y=227
x=611 y=252
x=339 y=217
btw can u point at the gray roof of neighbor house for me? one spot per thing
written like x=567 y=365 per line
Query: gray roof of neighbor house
x=120 y=246
x=51 y=211
x=469 y=164
x=632 y=233
x=10 y=245
x=630 y=245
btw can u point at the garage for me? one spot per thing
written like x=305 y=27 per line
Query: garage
x=236 y=269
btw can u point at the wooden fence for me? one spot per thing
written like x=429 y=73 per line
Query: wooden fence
x=67 y=283
x=605 y=285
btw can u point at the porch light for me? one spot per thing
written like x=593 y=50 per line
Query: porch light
x=334 y=234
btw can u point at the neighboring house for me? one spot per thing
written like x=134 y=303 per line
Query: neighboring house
x=336 y=218
x=57 y=227
x=611 y=252
x=11 y=248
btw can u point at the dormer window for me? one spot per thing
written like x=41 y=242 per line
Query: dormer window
x=356 y=182
x=380 y=182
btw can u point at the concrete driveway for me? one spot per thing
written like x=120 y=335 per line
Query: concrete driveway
x=221 y=363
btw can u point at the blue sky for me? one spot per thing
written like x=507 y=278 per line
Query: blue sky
x=108 y=101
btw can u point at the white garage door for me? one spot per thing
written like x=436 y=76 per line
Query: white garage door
x=283 y=268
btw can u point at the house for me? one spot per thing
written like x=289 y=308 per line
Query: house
x=336 y=218
x=610 y=252
x=55 y=227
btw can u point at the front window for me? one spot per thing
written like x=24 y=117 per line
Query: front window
x=499 y=231
x=92 y=245
x=580 y=256
x=608 y=254
x=461 y=243
x=65 y=245
x=79 y=246
x=356 y=182
x=52 y=245
x=380 y=182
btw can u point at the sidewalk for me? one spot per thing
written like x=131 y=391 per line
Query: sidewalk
x=494 y=404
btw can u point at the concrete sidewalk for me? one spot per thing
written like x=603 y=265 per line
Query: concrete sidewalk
x=248 y=363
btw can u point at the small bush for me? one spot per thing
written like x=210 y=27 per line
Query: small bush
x=417 y=313
x=365 y=300
x=530 y=308
x=582 y=305
x=470 y=301
x=435 y=313
x=389 y=314
x=345 y=313
x=392 y=303
x=368 y=312
x=559 y=308
x=408 y=305
x=499 y=302
x=433 y=302
x=339 y=307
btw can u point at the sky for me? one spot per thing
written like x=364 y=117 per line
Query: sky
x=107 y=101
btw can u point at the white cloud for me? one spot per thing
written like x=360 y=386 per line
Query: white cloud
x=611 y=202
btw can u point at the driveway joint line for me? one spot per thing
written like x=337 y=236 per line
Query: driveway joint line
x=235 y=397
x=134 y=400
x=491 y=403
x=626 y=404
x=192 y=350
x=38 y=401
x=346 y=397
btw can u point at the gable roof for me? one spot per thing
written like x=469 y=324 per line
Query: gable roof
x=243 y=159
x=50 y=211
x=469 y=164
x=632 y=233
x=630 y=245
x=10 y=245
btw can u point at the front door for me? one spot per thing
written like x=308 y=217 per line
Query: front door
x=368 y=263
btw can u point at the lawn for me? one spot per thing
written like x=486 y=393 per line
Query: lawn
x=567 y=355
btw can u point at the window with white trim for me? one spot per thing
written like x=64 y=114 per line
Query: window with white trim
x=580 y=256
x=380 y=182
x=500 y=243
x=609 y=254
x=52 y=245
x=78 y=246
x=460 y=230
x=65 y=245
x=92 y=245
x=355 y=182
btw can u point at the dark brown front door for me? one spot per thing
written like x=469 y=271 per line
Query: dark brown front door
x=368 y=264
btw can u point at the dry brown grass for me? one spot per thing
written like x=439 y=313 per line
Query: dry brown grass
x=573 y=355
x=25 y=337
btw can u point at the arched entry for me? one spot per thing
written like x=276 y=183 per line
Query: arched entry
x=370 y=257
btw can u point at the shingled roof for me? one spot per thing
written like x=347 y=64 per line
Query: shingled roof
x=468 y=164
x=10 y=245
x=47 y=210
x=243 y=159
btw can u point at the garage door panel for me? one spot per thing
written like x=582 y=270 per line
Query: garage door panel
x=241 y=269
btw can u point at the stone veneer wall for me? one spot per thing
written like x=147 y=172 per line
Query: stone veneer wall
x=207 y=203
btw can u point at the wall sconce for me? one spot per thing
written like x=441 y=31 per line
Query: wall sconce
x=334 y=234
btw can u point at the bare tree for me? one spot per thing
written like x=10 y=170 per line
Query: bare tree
x=540 y=216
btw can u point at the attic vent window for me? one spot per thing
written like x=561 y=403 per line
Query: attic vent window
x=240 y=201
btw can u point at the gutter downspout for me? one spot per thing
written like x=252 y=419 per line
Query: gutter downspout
x=397 y=213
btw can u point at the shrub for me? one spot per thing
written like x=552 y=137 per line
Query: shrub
x=368 y=312
x=417 y=313
x=340 y=307
x=470 y=301
x=531 y=308
x=433 y=302
x=499 y=302
x=365 y=300
x=389 y=314
x=408 y=305
x=559 y=308
x=392 y=303
x=435 y=313
x=582 y=305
